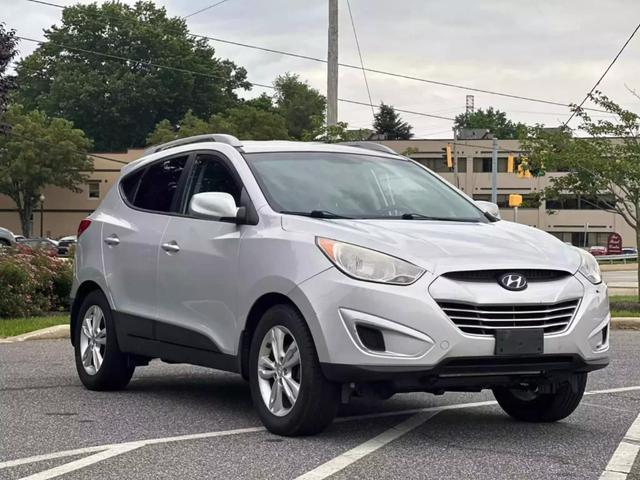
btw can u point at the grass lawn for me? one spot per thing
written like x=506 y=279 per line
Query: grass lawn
x=624 y=306
x=16 y=326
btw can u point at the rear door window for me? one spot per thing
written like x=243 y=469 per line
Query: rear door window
x=159 y=184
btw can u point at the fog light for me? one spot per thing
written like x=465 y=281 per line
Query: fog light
x=371 y=338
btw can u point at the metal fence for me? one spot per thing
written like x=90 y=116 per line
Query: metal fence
x=631 y=257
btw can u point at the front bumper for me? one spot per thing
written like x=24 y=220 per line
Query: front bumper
x=422 y=341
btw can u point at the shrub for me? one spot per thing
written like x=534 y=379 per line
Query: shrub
x=33 y=284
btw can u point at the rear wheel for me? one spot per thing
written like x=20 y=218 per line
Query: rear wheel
x=99 y=362
x=531 y=406
x=287 y=385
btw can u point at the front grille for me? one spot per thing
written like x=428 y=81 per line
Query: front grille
x=486 y=319
x=492 y=275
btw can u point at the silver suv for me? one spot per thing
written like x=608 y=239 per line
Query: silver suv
x=323 y=272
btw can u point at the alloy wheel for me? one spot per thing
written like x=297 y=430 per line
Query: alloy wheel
x=93 y=339
x=279 y=370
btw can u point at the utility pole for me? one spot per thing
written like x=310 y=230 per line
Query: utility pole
x=332 y=65
x=494 y=171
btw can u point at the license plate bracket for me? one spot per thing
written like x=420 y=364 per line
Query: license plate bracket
x=520 y=341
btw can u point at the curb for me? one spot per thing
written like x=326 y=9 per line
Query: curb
x=62 y=331
x=49 y=333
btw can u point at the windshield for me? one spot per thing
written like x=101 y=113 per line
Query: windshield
x=338 y=185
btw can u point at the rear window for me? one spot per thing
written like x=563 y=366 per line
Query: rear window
x=129 y=185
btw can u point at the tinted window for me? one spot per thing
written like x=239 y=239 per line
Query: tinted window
x=129 y=185
x=210 y=174
x=159 y=184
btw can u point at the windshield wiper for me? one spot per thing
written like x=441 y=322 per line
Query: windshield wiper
x=420 y=216
x=315 y=214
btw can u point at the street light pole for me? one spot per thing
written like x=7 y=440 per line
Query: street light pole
x=42 y=198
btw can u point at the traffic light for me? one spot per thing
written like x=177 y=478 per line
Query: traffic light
x=523 y=168
x=510 y=163
x=449 y=156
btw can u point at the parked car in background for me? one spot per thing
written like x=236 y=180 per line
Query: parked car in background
x=7 y=238
x=629 y=251
x=33 y=245
x=65 y=243
x=597 y=250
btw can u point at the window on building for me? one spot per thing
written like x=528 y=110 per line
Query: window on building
x=159 y=184
x=578 y=239
x=94 y=188
x=572 y=202
x=439 y=165
x=483 y=164
x=529 y=200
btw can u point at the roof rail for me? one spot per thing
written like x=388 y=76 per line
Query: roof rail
x=209 y=137
x=378 y=147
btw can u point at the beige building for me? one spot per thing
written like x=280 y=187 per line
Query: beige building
x=572 y=219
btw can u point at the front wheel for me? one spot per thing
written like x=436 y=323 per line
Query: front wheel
x=531 y=406
x=287 y=385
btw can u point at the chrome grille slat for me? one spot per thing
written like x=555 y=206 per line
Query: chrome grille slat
x=530 y=319
x=481 y=319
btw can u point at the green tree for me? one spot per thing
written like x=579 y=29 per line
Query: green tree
x=7 y=53
x=40 y=151
x=493 y=120
x=301 y=106
x=336 y=133
x=250 y=123
x=604 y=167
x=389 y=123
x=188 y=126
x=245 y=122
x=118 y=102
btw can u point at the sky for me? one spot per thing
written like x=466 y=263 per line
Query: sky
x=547 y=49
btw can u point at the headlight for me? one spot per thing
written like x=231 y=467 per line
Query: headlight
x=369 y=265
x=590 y=267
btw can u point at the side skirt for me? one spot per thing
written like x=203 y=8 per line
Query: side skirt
x=154 y=339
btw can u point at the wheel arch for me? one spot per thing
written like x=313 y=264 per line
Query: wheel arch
x=259 y=307
x=84 y=289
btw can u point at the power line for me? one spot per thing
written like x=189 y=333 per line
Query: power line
x=183 y=70
x=371 y=70
x=364 y=72
x=205 y=9
x=603 y=74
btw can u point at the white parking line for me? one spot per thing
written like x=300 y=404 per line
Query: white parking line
x=82 y=462
x=114 y=449
x=351 y=456
x=625 y=455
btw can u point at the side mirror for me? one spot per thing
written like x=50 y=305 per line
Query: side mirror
x=488 y=207
x=215 y=206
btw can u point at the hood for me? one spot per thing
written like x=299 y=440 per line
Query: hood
x=442 y=247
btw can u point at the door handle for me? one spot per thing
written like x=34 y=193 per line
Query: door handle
x=112 y=240
x=171 y=247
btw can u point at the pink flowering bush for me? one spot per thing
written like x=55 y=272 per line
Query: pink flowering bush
x=33 y=284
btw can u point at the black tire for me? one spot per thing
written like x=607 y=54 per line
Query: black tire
x=544 y=407
x=318 y=399
x=116 y=368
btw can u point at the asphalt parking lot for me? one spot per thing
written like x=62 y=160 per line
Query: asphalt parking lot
x=178 y=421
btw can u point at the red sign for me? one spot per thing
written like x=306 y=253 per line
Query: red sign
x=614 y=244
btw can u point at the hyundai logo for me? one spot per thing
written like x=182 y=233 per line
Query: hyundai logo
x=513 y=281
